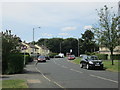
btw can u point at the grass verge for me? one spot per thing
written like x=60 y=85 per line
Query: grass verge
x=14 y=84
x=107 y=64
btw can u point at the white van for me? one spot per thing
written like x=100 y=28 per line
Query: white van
x=61 y=55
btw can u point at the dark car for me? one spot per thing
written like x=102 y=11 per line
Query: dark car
x=71 y=57
x=47 y=57
x=91 y=62
x=57 y=56
x=41 y=59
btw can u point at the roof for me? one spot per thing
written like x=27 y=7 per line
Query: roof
x=32 y=46
x=43 y=47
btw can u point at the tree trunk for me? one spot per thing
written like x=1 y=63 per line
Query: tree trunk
x=112 y=56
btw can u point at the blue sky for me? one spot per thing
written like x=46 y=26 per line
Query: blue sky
x=56 y=19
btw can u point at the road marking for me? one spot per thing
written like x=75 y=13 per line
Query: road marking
x=58 y=84
x=104 y=78
x=43 y=75
x=49 y=79
x=76 y=70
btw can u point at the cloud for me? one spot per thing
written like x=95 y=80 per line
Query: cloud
x=68 y=28
x=63 y=34
x=47 y=34
x=88 y=27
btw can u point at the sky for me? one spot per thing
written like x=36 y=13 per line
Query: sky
x=55 y=19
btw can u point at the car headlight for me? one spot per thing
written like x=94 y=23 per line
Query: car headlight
x=90 y=62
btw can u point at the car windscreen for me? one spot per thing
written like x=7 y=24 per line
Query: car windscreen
x=41 y=57
x=72 y=56
x=93 y=58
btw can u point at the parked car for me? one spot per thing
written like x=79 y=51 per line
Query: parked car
x=71 y=57
x=57 y=56
x=91 y=62
x=60 y=55
x=83 y=55
x=41 y=59
x=47 y=57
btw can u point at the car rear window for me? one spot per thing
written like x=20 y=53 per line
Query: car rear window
x=41 y=57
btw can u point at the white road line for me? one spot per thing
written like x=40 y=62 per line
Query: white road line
x=43 y=75
x=49 y=79
x=104 y=78
x=76 y=70
x=58 y=84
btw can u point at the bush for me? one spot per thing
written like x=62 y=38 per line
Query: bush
x=102 y=56
x=116 y=57
x=15 y=63
x=51 y=55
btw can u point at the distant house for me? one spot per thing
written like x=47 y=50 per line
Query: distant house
x=104 y=50
x=42 y=50
x=30 y=48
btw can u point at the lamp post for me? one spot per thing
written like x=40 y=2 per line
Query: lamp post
x=78 y=48
x=33 y=33
x=33 y=37
x=78 y=45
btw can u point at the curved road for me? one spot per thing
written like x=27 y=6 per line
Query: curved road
x=69 y=75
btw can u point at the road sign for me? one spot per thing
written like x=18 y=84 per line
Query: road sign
x=70 y=50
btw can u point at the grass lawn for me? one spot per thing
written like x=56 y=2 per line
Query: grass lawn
x=14 y=84
x=107 y=64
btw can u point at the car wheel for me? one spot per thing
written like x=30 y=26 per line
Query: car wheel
x=87 y=67
x=81 y=65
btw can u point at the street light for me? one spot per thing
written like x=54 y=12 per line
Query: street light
x=33 y=37
x=33 y=34
x=78 y=46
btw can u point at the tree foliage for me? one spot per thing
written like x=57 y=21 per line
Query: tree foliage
x=10 y=44
x=57 y=45
x=107 y=33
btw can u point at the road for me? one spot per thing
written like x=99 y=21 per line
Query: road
x=65 y=74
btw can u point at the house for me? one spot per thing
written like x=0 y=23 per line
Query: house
x=43 y=50
x=29 y=48
x=104 y=50
x=34 y=49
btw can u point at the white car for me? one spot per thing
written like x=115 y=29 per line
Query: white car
x=61 y=55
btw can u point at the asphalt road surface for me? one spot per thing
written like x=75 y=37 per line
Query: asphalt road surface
x=65 y=74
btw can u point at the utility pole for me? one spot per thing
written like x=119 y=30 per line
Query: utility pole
x=78 y=47
x=33 y=37
x=60 y=47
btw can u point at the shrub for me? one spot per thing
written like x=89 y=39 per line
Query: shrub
x=15 y=63
x=102 y=56
x=116 y=56
x=51 y=55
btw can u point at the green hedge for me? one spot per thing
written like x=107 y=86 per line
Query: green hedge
x=51 y=55
x=116 y=56
x=15 y=63
x=102 y=56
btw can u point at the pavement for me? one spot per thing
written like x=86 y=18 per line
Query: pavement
x=33 y=77
x=61 y=73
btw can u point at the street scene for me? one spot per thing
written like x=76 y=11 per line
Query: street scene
x=60 y=45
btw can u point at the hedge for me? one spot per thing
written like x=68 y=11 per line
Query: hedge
x=51 y=55
x=102 y=56
x=15 y=63
x=28 y=59
x=116 y=56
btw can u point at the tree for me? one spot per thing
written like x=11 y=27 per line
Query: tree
x=88 y=45
x=10 y=44
x=107 y=32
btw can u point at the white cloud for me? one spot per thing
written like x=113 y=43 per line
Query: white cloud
x=88 y=27
x=63 y=34
x=47 y=34
x=68 y=28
